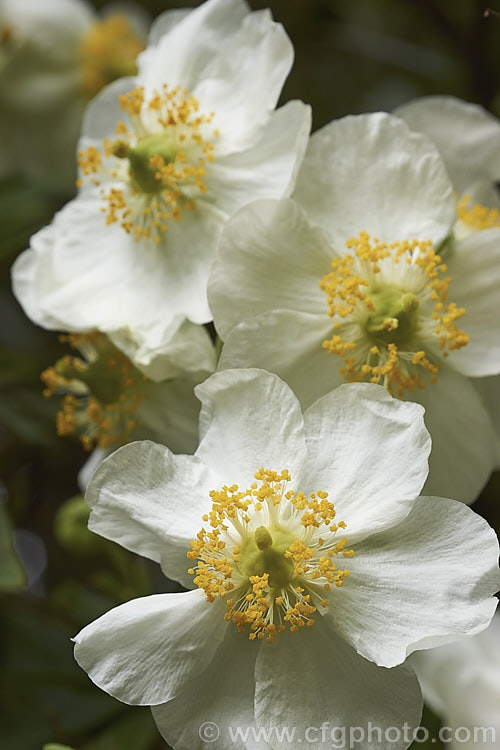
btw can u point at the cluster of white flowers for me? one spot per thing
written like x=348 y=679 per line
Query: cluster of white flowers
x=344 y=288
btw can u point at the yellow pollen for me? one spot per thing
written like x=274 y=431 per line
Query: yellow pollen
x=476 y=216
x=164 y=165
x=101 y=391
x=89 y=160
x=269 y=555
x=377 y=323
x=108 y=51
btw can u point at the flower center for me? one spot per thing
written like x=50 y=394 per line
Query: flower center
x=265 y=553
x=473 y=217
x=101 y=391
x=146 y=160
x=273 y=550
x=108 y=51
x=395 y=317
x=160 y=163
x=384 y=299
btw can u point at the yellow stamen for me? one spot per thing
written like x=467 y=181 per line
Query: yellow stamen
x=164 y=171
x=275 y=572
x=383 y=319
x=101 y=393
x=476 y=216
x=89 y=160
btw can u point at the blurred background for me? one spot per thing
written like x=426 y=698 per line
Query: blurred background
x=352 y=56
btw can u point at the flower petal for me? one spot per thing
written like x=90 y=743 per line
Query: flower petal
x=289 y=344
x=328 y=690
x=165 y=22
x=465 y=448
x=269 y=250
x=369 y=451
x=268 y=168
x=91 y=465
x=466 y=135
x=249 y=419
x=184 y=51
x=51 y=28
x=143 y=652
x=461 y=683
x=243 y=80
x=190 y=349
x=104 y=111
x=371 y=173
x=224 y=701
x=474 y=267
x=25 y=285
x=151 y=502
x=169 y=413
x=82 y=258
x=441 y=561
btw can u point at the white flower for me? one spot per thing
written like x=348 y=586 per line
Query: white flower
x=461 y=682
x=304 y=575
x=54 y=56
x=468 y=140
x=359 y=279
x=165 y=158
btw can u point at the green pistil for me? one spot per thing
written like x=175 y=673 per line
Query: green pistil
x=265 y=553
x=395 y=319
x=263 y=538
x=142 y=174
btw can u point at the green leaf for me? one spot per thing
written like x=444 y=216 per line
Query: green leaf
x=17 y=223
x=79 y=603
x=12 y=574
x=40 y=680
x=57 y=747
x=29 y=417
x=135 y=730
